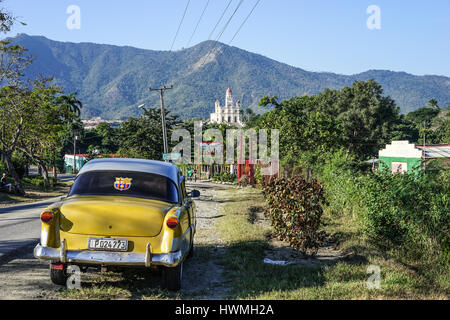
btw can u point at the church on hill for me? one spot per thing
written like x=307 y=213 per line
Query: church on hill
x=229 y=113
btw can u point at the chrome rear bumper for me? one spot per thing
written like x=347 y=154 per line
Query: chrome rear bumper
x=107 y=258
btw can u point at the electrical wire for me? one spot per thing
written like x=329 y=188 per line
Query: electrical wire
x=221 y=33
x=240 y=27
x=179 y=26
x=220 y=19
x=176 y=35
x=198 y=22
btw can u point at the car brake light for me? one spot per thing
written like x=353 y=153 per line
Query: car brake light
x=56 y=266
x=46 y=216
x=172 y=222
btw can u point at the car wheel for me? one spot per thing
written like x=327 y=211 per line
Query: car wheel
x=58 y=276
x=172 y=277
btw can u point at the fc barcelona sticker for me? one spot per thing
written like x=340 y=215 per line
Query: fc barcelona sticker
x=122 y=184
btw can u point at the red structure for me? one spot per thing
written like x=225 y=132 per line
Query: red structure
x=249 y=170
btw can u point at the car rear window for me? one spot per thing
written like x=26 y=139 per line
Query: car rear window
x=125 y=183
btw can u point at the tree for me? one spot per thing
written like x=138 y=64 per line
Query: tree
x=433 y=104
x=108 y=137
x=13 y=111
x=45 y=120
x=71 y=102
x=142 y=137
x=366 y=118
x=358 y=119
x=12 y=62
x=423 y=117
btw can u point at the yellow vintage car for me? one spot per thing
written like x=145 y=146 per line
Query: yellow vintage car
x=121 y=213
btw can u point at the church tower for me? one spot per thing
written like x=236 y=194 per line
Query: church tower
x=229 y=113
x=229 y=99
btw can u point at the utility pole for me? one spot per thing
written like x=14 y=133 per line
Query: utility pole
x=163 y=115
x=424 y=153
x=75 y=138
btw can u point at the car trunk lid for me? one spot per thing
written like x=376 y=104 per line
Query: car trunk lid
x=114 y=216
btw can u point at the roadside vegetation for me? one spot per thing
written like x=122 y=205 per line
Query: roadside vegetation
x=345 y=279
x=36 y=190
x=398 y=223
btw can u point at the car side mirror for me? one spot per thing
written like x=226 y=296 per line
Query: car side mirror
x=195 y=193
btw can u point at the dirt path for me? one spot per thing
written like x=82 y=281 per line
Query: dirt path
x=25 y=277
x=203 y=273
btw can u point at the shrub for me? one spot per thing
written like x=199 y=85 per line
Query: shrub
x=36 y=182
x=244 y=181
x=295 y=211
x=224 y=176
x=337 y=173
x=408 y=211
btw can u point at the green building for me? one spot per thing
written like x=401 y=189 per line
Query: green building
x=70 y=161
x=402 y=156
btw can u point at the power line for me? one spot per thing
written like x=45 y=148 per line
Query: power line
x=240 y=27
x=179 y=26
x=221 y=33
x=229 y=20
x=176 y=35
x=220 y=19
x=198 y=22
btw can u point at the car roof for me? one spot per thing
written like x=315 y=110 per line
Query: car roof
x=162 y=168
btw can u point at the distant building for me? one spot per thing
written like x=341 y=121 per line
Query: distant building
x=94 y=122
x=229 y=113
x=402 y=156
x=71 y=160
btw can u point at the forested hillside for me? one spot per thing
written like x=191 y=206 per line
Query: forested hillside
x=111 y=81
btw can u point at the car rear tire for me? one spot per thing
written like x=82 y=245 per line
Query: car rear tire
x=173 y=276
x=59 y=277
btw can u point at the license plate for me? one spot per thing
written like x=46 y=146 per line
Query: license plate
x=108 y=244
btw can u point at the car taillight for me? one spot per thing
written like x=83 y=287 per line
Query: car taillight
x=46 y=216
x=172 y=222
x=57 y=266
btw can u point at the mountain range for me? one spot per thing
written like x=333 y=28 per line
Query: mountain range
x=112 y=81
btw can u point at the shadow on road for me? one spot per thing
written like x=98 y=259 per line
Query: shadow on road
x=20 y=248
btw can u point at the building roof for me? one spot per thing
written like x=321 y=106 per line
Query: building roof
x=78 y=155
x=400 y=148
x=435 y=151
x=166 y=169
x=405 y=149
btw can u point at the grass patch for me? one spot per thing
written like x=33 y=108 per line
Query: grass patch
x=251 y=278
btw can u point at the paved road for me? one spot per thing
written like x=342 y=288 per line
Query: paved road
x=20 y=226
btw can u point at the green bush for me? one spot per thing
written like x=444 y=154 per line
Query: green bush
x=295 y=211
x=36 y=182
x=408 y=211
x=224 y=176
x=19 y=161
x=337 y=174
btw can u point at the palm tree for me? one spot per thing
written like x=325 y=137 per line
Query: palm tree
x=433 y=104
x=71 y=102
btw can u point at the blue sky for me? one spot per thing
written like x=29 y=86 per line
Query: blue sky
x=325 y=35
